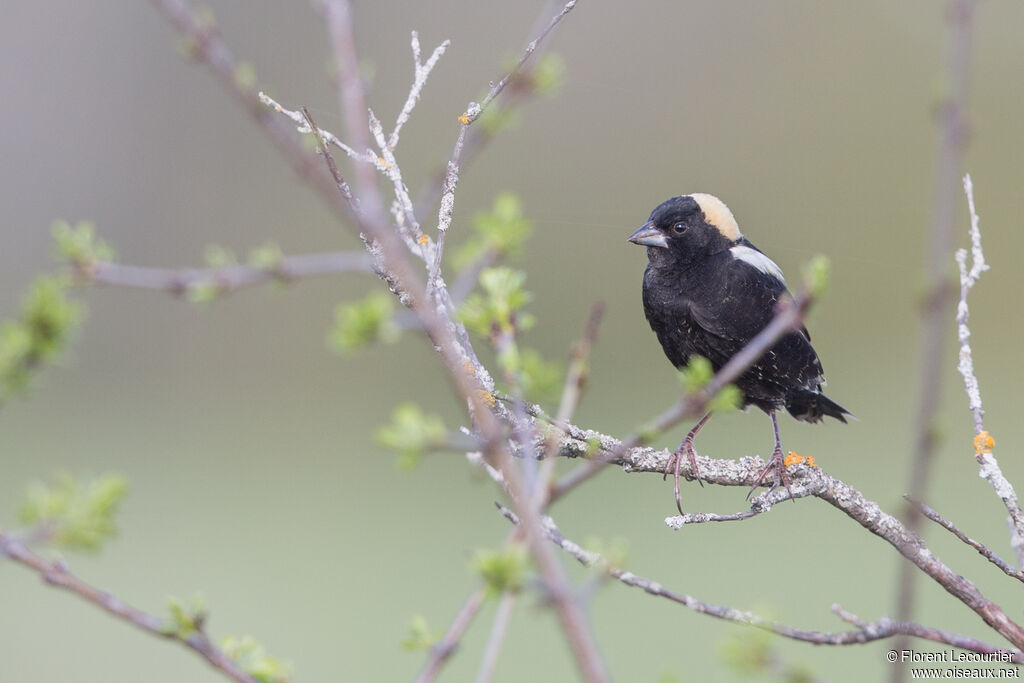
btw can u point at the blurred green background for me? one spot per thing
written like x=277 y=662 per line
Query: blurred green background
x=255 y=479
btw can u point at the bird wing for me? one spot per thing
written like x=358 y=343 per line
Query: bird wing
x=733 y=309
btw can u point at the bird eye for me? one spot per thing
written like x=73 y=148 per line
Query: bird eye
x=679 y=228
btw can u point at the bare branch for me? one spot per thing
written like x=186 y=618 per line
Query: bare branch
x=951 y=115
x=983 y=441
x=866 y=631
x=977 y=545
x=807 y=481
x=440 y=653
x=473 y=111
x=228 y=278
x=420 y=74
x=497 y=637
x=321 y=141
x=56 y=574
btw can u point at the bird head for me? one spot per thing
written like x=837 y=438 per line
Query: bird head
x=688 y=227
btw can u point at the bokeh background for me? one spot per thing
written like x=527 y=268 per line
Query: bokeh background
x=249 y=446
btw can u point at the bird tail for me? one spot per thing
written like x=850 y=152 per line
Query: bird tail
x=812 y=406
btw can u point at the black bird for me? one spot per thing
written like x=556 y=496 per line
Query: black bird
x=708 y=291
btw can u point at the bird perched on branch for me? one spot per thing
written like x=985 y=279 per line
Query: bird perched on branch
x=708 y=291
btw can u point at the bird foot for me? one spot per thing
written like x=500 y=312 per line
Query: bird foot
x=674 y=466
x=776 y=465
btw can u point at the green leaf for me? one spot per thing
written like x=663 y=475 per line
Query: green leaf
x=79 y=244
x=502 y=570
x=541 y=380
x=421 y=637
x=217 y=256
x=252 y=657
x=39 y=334
x=183 y=621
x=697 y=373
x=203 y=291
x=728 y=399
x=816 y=274
x=548 y=76
x=80 y=516
x=266 y=256
x=499 y=303
x=361 y=323
x=501 y=231
x=412 y=433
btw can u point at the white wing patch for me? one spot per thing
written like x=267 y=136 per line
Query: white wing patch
x=758 y=260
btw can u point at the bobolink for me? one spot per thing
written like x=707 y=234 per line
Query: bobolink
x=708 y=291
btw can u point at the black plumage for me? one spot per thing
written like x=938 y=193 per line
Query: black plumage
x=708 y=291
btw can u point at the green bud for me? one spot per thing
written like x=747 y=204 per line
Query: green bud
x=502 y=570
x=217 y=256
x=499 y=303
x=548 y=76
x=80 y=516
x=503 y=231
x=728 y=399
x=541 y=380
x=421 y=637
x=412 y=433
x=245 y=76
x=697 y=373
x=79 y=244
x=267 y=256
x=364 y=322
x=252 y=657
x=816 y=274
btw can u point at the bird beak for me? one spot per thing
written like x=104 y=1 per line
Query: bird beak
x=648 y=236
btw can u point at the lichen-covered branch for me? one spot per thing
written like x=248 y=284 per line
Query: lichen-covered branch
x=806 y=481
x=866 y=631
x=983 y=441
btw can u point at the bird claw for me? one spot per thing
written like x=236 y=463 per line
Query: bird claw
x=776 y=465
x=674 y=466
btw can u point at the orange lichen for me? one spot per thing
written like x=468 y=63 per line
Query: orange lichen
x=487 y=397
x=809 y=461
x=464 y=119
x=983 y=443
x=423 y=239
x=792 y=459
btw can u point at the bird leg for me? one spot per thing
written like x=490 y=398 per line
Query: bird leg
x=674 y=462
x=776 y=464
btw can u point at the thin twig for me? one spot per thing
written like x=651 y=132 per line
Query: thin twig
x=473 y=111
x=983 y=441
x=572 y=391
x=420 y=74
x=321 y=141
x=952 y=135
x=866 y=631
x=228 y=278
x=497 y=637
x=931 y=514
x=440 y=653
x=57 y=574
x=531 y=47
